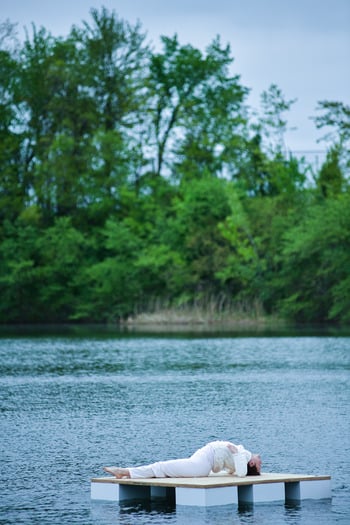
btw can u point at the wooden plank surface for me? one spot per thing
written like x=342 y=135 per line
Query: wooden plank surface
x=213 y=481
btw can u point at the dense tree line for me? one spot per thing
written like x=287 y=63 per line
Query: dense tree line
x=133 y=179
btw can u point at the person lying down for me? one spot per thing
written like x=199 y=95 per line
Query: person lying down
x=213 y=457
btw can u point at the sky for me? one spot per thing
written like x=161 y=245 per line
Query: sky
x=303 y=46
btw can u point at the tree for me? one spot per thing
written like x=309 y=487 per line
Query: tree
x=201 y=206
x=112 y=286
x=259 y=175
x=18 y=281
x=265 y=168
x=242 y=268
x=215 y=123
x=39 y=270
x=55 y=123
x=12 y=176
x=316 y=262
x=81 y=96
x=330 y=179
x=190 y=93
x=62 y=255
x=113 y=64
x=130 y=178
x=114 y=59
x=336 y=118
x=272 y=124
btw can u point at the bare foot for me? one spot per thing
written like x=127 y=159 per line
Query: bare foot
x=119 y=473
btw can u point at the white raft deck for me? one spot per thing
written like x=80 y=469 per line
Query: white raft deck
x=218 y=489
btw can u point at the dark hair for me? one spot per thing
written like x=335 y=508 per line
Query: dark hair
x=252 y=470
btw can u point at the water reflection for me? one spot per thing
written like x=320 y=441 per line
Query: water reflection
x=160 y=512
x=177 y=331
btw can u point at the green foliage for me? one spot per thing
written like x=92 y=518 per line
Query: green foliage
x=200 y=207
x=272 y=122
x=335 y=120
x=330 y=179
x=39 y=269
x=18 y=280
x=12 y=194
x=316 y=263
x=61 y=251
x=163 y=271
x=241 y=266
x=131 y=178
x=110 y=286
x=260 y=175
x=192 y=97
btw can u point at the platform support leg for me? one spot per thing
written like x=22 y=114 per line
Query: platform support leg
x=245 y=494
x=292 y=491
x=134 y=492
x=159 y=492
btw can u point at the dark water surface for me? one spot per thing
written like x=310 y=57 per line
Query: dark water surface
x=71 y=403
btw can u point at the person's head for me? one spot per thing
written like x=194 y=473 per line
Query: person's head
x=254 y=465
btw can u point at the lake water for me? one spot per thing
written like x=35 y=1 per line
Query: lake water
x=75 y=401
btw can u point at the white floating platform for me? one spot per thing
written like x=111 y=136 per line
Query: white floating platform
x=219 y=489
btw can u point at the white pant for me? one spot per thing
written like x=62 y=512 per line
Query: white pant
x=199 y=464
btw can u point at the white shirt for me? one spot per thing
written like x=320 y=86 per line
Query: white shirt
x=225 y=459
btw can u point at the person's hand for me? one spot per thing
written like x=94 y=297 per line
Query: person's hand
x=232 y=448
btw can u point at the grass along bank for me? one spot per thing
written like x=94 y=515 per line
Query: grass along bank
x=236 y=315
